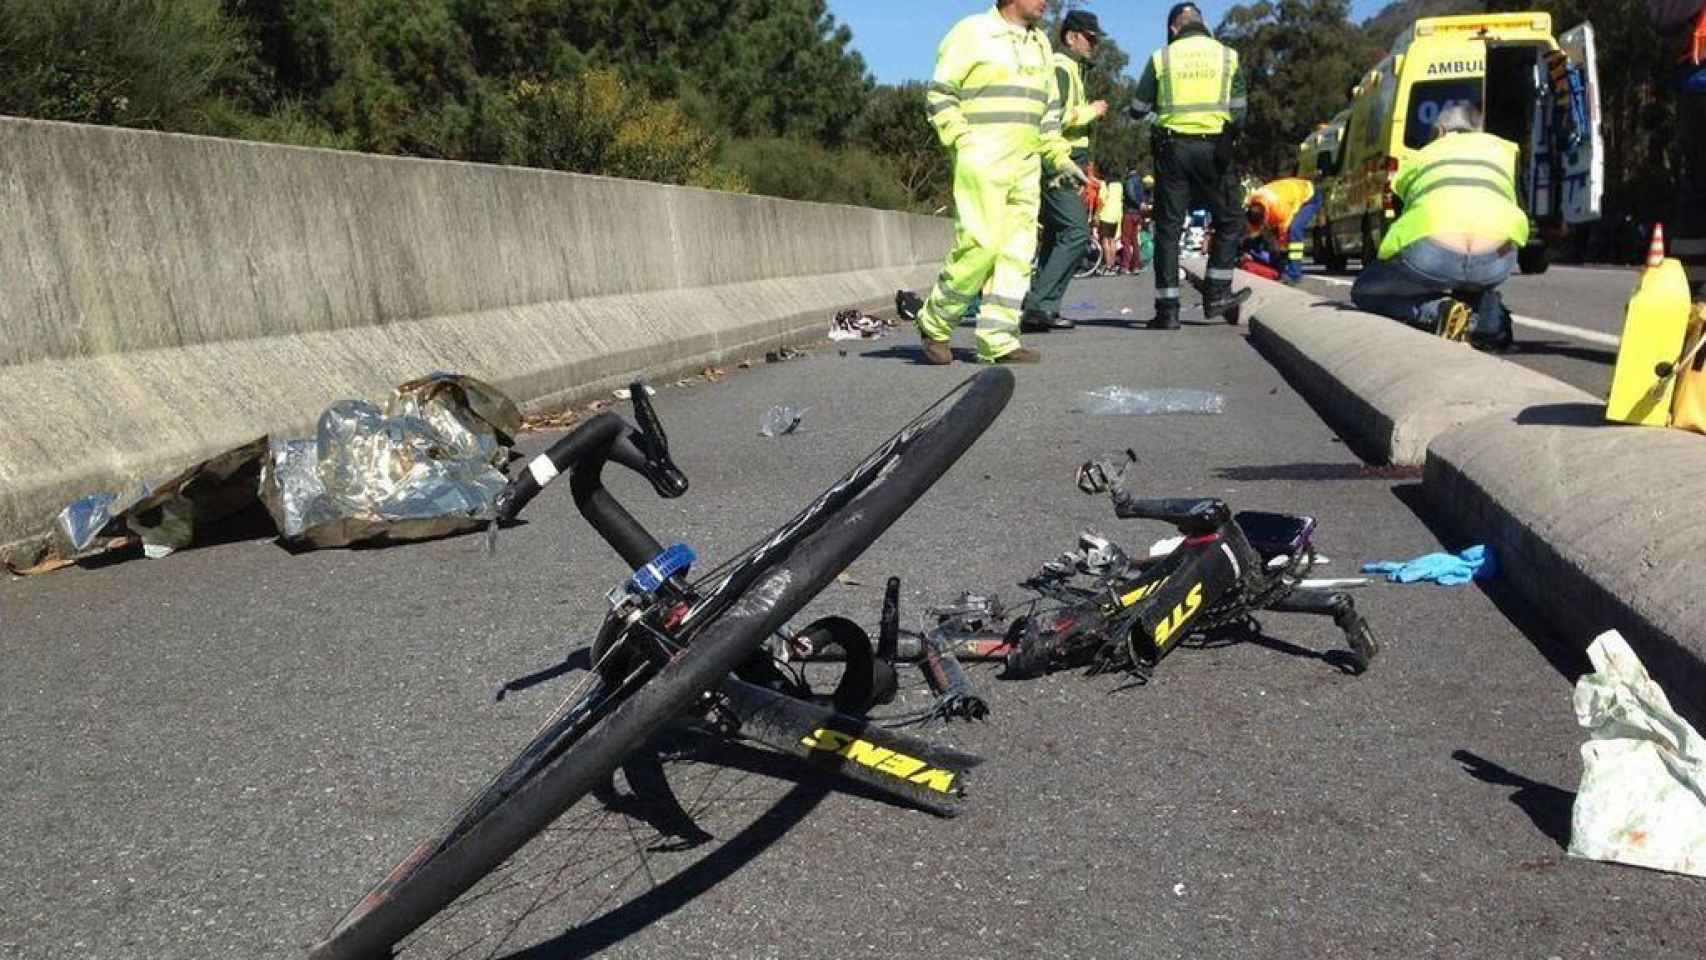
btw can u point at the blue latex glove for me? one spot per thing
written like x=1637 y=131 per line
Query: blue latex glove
x=1476 y=563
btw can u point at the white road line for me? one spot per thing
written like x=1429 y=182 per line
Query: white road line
x=1591 y=336
x=1550 y=326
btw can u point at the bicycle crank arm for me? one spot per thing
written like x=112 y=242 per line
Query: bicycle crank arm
x=905 y=767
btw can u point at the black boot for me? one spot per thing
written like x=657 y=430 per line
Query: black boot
x=1166 y=315
x=1034 y=321
x=1219 y=299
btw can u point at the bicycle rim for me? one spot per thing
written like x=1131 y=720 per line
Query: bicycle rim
x=544 y=781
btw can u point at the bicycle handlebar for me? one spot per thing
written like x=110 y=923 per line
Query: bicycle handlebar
x=582 y=454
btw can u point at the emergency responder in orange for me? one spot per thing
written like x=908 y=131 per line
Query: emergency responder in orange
x=1283 y=210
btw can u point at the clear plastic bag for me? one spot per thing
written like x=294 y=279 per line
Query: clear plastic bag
x=1126 y=402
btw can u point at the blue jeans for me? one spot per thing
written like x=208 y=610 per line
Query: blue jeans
x=1417 y=284
x=1297 y=238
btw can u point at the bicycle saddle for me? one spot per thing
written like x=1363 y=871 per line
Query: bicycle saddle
x=1193 y=517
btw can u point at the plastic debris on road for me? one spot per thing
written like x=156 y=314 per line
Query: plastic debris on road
x=79 y=524
x=1126 y=402
x=780 y=420
x=623 y=393
x=1642 y=800
x=1449 y=570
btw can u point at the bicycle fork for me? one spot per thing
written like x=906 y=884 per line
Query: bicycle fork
x=1342 y=608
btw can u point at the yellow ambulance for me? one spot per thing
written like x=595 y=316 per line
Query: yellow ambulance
x=1536 y=90
x=1319 y=151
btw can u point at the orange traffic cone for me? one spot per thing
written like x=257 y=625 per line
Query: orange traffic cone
x=1656 y=249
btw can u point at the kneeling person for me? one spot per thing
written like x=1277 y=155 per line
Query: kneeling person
x=1283 y=211
x=1460 y=232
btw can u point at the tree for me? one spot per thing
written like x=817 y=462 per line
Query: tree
x=895 y=126
x=1299 y=58
x=139 y=63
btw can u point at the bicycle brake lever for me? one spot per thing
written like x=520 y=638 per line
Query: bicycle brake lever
x=666 y=478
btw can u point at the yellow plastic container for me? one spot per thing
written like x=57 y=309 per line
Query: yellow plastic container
x=1653 y=331
x=1688 y=409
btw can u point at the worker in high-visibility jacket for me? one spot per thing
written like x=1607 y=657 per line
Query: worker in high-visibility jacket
x=1196 y=92
x=1282 y=211
x=1460 y=230
x=994 y=102
x=1065 y=221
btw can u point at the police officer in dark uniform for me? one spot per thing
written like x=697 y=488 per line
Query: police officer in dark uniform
x=1196 y=93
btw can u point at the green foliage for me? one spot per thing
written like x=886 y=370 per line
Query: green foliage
x=596 y=123
x=895 y=127
x=632 y=88
x=1300 y=59
x=799 y=170
x=145 y=63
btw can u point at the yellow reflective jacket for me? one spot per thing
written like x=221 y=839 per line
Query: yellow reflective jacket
x=1194 y=80
x=1280 y=202
x=993 y=97
x=1075 y=114
x=1460 y=183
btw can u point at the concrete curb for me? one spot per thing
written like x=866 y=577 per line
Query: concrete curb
x=170 y=297
x=1389 y=388
x=1596 y=524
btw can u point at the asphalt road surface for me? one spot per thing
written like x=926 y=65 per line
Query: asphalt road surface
x=1567 y=319
x=213 y=754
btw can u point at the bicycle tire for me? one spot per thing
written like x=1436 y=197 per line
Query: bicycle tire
x=1089 y=263
x=397 y=906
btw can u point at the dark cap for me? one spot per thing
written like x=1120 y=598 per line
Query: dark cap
x=1081 y=21
x=1178 y=8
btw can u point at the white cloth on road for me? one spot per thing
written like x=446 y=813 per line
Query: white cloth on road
x=1643 y=795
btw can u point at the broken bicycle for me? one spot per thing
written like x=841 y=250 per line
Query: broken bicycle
x=1112 y=613
x=673 y=647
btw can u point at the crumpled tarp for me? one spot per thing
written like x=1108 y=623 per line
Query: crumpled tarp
x=426 y=466
x=164 y=516
x=474 y=419
x=1643 y=793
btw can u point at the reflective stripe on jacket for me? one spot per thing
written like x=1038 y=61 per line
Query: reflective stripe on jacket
x=1460 y=183
x=1280 y=202
x=1194 y=80
x=1075 y=113
x=993 y=95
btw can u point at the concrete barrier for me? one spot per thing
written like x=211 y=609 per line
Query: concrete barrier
x=1388 y=388
x=164 y=297
x=1597 y=525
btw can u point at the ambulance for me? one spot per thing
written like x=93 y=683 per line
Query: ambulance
x=1536 y=90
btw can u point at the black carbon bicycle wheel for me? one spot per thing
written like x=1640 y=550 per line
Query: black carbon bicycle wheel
x=548 y=777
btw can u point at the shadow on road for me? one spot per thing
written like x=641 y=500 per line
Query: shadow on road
x=1564 y=415
x=914 y=353
x=1560 y=348
x=1570 y=662
x=594 y=937
x=1304 y=472
x=1548 y=806
x=654 y=803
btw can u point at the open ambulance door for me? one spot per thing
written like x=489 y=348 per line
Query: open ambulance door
x=1565 y=179
x=1575 y=89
